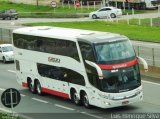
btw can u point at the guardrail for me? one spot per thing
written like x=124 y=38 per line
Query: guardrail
x=150 y=54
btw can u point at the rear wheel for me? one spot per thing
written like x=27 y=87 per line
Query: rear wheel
x=39 y=88
x=75 y=98
x=113 y=15
x=86 y=101
x=31 y=87
x=94 y=16
x=16 y=18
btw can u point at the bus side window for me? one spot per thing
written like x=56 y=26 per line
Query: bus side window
x=87 y=51
x=88 y=54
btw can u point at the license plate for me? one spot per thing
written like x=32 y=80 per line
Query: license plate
x=125 y=102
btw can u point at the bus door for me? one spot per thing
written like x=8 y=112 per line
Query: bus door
x=87 y=54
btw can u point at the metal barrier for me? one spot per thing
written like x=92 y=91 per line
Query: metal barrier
x=150 y=54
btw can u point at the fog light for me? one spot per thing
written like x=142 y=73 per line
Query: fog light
x=107 y=103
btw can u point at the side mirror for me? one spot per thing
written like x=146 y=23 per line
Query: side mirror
x=144 y=63
x=100 y=73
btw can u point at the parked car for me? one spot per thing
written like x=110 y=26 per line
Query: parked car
x=6 y=52
x=9 y=14
x=106 y=12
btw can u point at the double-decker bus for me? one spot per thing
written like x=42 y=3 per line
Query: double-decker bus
x=88 y=67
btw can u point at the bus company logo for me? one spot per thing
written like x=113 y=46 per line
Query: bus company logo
x=119 y=66
x=51 y=59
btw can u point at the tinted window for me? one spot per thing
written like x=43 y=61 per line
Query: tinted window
x=48 y=45
x=87 y=54
x=102 y=9
x=87 y=51
x=114 y=52
x=60 y=73
x=124 y=79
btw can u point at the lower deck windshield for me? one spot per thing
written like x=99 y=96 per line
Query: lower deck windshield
x=121 y=80
x=114 y=52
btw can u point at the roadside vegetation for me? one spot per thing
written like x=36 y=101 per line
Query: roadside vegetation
x=26 y=10
x=134 y=32
x=7 y=116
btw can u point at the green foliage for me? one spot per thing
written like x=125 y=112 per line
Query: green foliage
x=134 y=32
x=8 y=116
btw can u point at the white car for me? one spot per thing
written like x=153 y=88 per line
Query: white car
x=6 y=52
x=106 y=12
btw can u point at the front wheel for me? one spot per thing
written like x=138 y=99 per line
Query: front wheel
x=86 y=101
x=31 y=87
x=75 y=98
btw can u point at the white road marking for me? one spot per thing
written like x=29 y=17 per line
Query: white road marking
x=61 y=106
x=151 y=82
x=5 y=110
x=12 y=71
x=2 y=89
x=40 y=100
x=92 y=115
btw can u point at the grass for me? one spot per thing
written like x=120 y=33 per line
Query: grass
x=134 y=32
x=8 y=116
x=33 y=8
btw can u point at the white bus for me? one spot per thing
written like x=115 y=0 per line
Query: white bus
x=88 y=67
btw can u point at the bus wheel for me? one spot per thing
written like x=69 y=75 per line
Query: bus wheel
x=38 y=88
x=86 y=100
x=31 y=87
x=75 y=98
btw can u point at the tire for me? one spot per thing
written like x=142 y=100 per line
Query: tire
x=112 y=15
x=4 y=60
x=16 y=18
x=3 y=18
x=38 y=88
x=75 y=99
x=31 y=87
x=94 y=16
x=85 y=101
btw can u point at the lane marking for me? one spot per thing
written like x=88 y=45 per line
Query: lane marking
x=92 y=115
x=2 y=89
x=61 y=106
x=151 y=82
x=11 y=71
x=5 y=110
x=40 y=100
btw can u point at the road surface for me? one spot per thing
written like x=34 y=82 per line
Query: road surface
x=46 y=107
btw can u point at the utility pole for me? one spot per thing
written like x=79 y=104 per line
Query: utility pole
x=37 y=2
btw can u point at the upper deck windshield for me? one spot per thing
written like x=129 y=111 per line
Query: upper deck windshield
x=114 y=52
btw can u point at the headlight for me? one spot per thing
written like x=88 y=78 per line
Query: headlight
x=104 y=96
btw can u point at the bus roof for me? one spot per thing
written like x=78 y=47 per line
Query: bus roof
x=69 y=33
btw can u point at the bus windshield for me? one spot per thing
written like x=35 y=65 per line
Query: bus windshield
x=114 y=52
x=121 y=80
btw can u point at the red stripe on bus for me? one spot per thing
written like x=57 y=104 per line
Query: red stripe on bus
x=117 y=66
x=24 y=84
x=57 y=93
